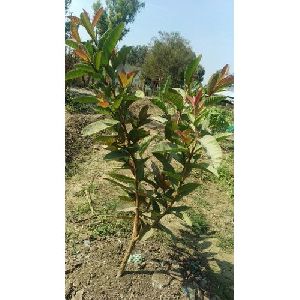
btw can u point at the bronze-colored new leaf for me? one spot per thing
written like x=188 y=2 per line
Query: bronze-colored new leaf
x=81 y=54
x=97 y=16
x=74 y=33
x=74 y=20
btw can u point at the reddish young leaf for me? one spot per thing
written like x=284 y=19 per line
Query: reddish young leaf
x=224 y=71
x=81 y=54
x=225 y=81
x=97 y=16
x=74 y=20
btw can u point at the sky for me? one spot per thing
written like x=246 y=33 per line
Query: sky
x=206 y=24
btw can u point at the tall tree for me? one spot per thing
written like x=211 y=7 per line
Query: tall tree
x=169 y=54
x=117 y=11
x=137 y=55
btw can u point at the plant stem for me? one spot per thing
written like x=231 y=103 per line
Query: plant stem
x=136 y=220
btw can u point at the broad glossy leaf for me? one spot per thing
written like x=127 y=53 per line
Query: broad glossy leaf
x=86 y=99
x=98 y=126
x=122 y=178
x=74 y=74
x=89 y=69
x=160 y=104
x=145 y=142
x=165 y=147
x=213 y=149
x=111 y=41
x=187 y=188
x=116 y=155
x=87 y=24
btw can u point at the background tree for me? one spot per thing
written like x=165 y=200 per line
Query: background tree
x=117 y=11
x=67 y=23
x=169 y=54
x=200 y=74
x=137 y=55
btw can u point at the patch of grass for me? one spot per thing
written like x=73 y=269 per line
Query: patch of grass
x=199 y=223
x=119 y=228
x=226 y=242
x=226 y=176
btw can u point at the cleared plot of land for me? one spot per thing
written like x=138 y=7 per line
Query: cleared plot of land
x=197 y=259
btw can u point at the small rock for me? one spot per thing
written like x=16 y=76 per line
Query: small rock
x=78 y=295
x=87 y=243
x=160 y=280
x=76 y=282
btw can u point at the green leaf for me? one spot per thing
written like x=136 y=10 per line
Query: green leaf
x=98 y=126
x=75 y=74
x=121 y=57
x=98 y=60
x=145 y=142
x=173 y=98
x=180 y=92
x=187 y=188
x=111 y=41
x=137 y=134
x=223 y=136
x=122 y=178
x=126 y=198
x=72 y=44
x=213 y=100
x=191 y=69
x=160 y=104
x=165 y=147
x=86 y=99
x=87 y=25
x=140 y=168
x=179 y=208
x=205 y=167
x=85 y=67
x=167 y=167
x=116 y=155
x=213 y=149
x=106 y=139
x=187 y=219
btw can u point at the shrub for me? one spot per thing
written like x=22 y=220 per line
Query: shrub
x=154 y=170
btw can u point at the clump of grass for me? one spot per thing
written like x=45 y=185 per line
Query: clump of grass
x=118 y=228
x=226 y=242
x=199 y=223
x=226 y=176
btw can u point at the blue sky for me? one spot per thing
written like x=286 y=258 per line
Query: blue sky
x=207 y=24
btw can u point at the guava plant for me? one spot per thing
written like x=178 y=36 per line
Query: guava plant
x=155 y=169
